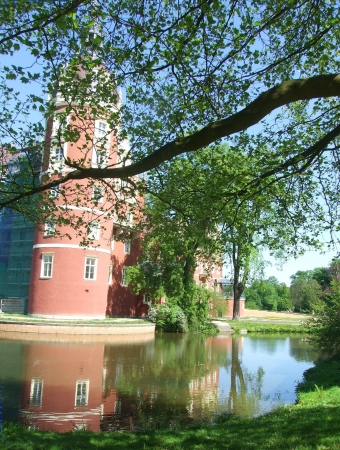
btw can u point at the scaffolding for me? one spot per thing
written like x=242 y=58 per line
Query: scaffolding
x=16 y=244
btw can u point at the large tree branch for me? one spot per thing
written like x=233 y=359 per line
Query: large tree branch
x=321 y=86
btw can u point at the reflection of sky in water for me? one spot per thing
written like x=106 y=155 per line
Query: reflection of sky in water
x=283 y=361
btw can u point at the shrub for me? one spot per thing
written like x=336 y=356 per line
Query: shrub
x=218 y=305
x=168 y=317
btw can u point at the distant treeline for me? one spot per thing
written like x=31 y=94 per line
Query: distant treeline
x=309 y=290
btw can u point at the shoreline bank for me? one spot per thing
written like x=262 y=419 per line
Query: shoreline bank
x=20 y=326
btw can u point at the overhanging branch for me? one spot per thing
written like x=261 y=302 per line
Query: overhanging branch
x=321 y=86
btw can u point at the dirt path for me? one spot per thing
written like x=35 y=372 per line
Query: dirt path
x=272 y=314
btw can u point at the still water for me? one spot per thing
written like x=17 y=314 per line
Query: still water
x=145 y=381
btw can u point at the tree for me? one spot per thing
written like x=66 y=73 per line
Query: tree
x=322 y=276
x=268 y=294
x=188 y=219
x=306 y=295
x=284 y=302
x=193 y=73
x=305 y=275
x=334 y=270
x=169 y=253
x=327 y=325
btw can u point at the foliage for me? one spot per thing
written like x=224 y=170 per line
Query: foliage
x=192 y=73
x=168 y=317
x=192 y=315
x=326 y=329
x=325 y=374
x=269 y=295
x=218 y=305
x=334 y=270
x=310 y=289
x=145 y=278
x=186 y=203
x=306 y=295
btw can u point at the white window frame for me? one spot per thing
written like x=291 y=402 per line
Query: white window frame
x=118 y=407
x=110 y=274
x=58 y=125
x=129 y=218
x=127 y=247
x=82 y=394
x=47 y=260
x=124 y=280
x=99 y=158
x=91 y=273
x=94 y=231
x=101 y=128
x=36 y=392
x=58 y=154
x=97 y=195
x=49 y=228
x=55 y=191
x=147 y=299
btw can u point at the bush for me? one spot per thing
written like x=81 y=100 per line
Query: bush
x=326 y=329
x=191 y=315
x=218 y=305
x=168 y=317
x=251 y=305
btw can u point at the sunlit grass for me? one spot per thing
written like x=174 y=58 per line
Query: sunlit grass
x=109 y=320
x=268 y=327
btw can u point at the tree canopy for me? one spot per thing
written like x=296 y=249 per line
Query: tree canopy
x=310 y=290
x=188 y=220
x=191 y=73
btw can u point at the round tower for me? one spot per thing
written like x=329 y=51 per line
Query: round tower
x=69 y=280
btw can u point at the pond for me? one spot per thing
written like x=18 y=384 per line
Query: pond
x=146 y=381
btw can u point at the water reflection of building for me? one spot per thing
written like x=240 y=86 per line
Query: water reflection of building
x=204 y=390
x=204 y=393
x=120 y=385
x=122 y=403
x=62 y=387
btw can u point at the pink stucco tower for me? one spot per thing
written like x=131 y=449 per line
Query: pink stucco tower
x=69 y=280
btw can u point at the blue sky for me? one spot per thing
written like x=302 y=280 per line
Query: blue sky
x=310 y=260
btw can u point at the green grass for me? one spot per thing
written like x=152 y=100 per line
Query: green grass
x=108 y=321
x=268 y=327
x=312 y=424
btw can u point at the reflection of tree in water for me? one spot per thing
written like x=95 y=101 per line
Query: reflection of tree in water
x=300 y=349
x=152 y=382
x=245 y=388
x=269 y=343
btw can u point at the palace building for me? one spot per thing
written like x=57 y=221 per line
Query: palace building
x=47 y=270
x=55 y=271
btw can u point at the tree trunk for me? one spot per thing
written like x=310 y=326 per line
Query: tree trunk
x=237 y=286
x=237 y=296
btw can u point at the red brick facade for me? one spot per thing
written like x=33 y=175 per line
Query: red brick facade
x=68 y=280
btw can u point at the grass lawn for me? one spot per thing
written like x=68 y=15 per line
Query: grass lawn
x=312 y=424
x=108 y=321
x=255 y=326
